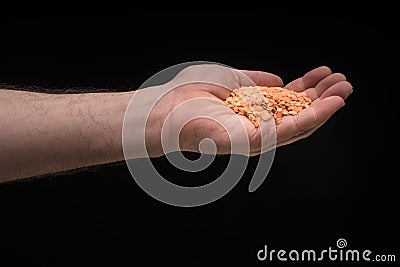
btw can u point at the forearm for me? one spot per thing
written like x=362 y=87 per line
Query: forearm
x=49 y=133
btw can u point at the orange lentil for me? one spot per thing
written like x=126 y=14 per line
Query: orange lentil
x=262 y=102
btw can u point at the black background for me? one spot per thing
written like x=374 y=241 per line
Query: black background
x=338 y=183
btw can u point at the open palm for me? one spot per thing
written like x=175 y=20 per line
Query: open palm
x=327 y=90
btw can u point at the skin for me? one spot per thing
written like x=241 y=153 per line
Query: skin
x=50 y=133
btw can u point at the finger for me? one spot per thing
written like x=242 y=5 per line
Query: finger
x=262 y=78
x=318 y=112
x=311 y=93
x=342 y=89
x=310 y=79
x=327 y=82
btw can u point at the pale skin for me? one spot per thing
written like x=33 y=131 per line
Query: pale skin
x=49 y=133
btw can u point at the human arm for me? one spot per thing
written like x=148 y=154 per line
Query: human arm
x=47 y=133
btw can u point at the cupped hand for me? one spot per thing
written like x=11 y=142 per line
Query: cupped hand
x=327 y=90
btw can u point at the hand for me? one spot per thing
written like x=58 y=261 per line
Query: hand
x=189 y=112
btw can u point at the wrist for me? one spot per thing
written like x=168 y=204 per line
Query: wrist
x=143 y=122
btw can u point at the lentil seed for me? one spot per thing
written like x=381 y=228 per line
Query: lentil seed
x=262 y=102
